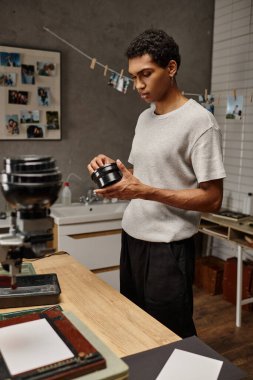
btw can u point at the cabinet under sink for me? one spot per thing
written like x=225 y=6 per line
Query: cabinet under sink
x=93 y=239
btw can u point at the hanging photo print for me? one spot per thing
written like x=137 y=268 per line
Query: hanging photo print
x=119 y=83
x=113 y=80
x=234 y=107
x=208 y=103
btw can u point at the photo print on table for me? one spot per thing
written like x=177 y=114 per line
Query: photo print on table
x=8 y=79
x=234 y=107
x=18 y=97
x=29 y=116
x=44 y=98
x=35 y=131
x=12 y=125
x=52 y=120
x=46 y=69
x=10 y=59
x=27 y=74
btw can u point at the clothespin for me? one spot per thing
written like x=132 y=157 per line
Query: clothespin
x=93 y=63
x=205 y=96
x=105 y=70
x=234 y=92
x=121 y=73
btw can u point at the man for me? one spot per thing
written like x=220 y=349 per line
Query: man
x=177 y=173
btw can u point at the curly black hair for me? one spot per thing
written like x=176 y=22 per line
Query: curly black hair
x=155 y=42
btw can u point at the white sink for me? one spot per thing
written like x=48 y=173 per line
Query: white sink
x=82 y=213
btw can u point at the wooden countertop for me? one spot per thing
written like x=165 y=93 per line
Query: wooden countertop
x=119 y=323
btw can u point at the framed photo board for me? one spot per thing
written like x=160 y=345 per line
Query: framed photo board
x=30 y=94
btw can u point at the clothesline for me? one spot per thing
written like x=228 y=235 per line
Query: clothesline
x=120 y=75
x=94 y=61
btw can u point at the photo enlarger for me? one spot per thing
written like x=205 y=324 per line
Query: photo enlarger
x=30 y=184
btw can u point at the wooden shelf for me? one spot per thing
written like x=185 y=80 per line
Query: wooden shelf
x=217 y=231
x=234 y=231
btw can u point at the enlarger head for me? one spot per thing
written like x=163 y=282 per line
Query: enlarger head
x=30 y=182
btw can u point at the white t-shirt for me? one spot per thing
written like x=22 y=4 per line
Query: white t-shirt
x=177 y=150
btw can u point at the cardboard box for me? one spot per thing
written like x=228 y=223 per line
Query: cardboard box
x=209 y=274
x=230 y=279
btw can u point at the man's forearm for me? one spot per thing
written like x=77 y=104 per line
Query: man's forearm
x=190 y=199
x=206 y=198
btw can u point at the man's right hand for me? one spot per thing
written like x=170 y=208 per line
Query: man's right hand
x=98 y=161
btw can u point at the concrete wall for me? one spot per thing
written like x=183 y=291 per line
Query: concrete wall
x=95 y=117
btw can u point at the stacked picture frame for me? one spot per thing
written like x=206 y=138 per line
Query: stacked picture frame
x=30 y=94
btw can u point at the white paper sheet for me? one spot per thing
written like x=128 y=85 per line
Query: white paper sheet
x=183 y=365
x=30 y=345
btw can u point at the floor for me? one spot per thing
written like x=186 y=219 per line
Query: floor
x=215 y=323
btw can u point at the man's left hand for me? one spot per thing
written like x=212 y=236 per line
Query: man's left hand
x=127 y=188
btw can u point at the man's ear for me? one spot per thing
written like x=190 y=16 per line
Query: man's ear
x=172 y=68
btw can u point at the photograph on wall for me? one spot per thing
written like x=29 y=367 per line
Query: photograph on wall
x=27 y=74
x=29 y=116
x=46 y=69
x=8 y=79
x=10 y=59
x=18 y=97
x=44 y=96
x=35 y=131
x=52 y=120
x=234 y=107
x=12 y=126
x=30 y=94
x=207 y=103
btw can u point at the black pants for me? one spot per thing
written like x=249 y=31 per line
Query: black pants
x=158 y=277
